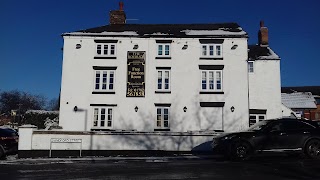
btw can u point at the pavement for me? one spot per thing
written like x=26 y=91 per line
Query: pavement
x=13 y=159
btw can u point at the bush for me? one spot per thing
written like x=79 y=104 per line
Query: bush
x=38 y=117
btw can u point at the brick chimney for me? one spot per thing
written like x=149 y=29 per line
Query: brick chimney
x=263 y=35
x=118 y=16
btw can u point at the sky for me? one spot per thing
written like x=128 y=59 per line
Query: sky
x=30 y=33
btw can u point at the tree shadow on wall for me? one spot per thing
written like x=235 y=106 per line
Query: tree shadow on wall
x=181 y=141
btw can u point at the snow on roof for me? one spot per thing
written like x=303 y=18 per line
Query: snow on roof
x=171 y=30
x=159 y=33
x=125 y=33
x=271 y=55
x=298 y=100
x=315 y=90
x=221 y=31
x=257 y=52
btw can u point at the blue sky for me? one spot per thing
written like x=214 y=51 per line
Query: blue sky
x=31 y=56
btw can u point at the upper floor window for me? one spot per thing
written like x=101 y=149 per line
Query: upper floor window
x=105 y=49
x=211 y=50
x=250 y=67
x=211 y=80
x=102 y=117
x=163 y=49
x=163 y=80
x=104 y=80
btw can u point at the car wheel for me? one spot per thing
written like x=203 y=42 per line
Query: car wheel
x=241 y=151
x=312 y=149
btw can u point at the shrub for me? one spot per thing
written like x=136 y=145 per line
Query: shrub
x=38 y=117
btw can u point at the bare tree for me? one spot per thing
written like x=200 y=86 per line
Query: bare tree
x=21 y=101
x=53 y=104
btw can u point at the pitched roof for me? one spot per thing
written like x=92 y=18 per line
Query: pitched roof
x=298 y=100
x=257 y=52
x=164 y=30
x=315 y=90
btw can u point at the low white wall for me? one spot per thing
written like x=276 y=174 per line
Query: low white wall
x=165 y=141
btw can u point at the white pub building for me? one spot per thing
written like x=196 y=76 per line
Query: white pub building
x=169 y=79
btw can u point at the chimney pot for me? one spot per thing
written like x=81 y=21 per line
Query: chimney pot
x=261 y=23
x=121 y=6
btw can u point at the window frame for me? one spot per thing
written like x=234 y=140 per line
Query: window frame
x=207 y=52
x=215 y=81
x=101 y=80
x=257 y=118
x=251 y=68
x=163 y=75
x=106 y=117
x=163 y=49
x=108 y=45
x=162 y=118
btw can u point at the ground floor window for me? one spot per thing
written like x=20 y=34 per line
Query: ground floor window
x=256 y=115
x=254 y=118
x=102 y=117
x=162 y=121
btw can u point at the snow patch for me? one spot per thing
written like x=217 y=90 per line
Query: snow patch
x=159 y=34
x=299 y=100
x=272 y=55
x=124 y=33
x=220 y=31
x=41 y=112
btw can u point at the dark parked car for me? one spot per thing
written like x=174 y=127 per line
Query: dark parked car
x=277 y=135
x=8 y=141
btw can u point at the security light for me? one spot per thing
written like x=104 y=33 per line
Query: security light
x=232 y=108
x=185 y=47
x=185 y=109
x=234 y=47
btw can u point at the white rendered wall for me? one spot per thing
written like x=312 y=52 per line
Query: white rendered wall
x=265 y=87
x=78 y=78
x=287 y=112
x=130 y=141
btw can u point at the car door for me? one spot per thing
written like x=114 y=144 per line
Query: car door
x=288 y=134
x=274 y=136
x=296 y=133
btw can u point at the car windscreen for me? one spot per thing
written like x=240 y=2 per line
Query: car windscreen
x=258 y=126
x=7 y=133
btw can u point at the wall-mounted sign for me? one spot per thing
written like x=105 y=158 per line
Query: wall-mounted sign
x=64 y=140
x=136 y=74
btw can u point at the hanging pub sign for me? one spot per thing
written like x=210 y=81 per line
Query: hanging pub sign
x=136 y=74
